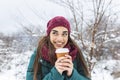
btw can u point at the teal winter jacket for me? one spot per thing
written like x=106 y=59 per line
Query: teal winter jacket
x=49 y=72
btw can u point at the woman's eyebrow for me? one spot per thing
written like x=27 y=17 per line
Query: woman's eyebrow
x=54 y=30
x=65 y=31
x=57 y=31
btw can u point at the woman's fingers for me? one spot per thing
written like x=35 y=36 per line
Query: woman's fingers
x=68 y=64
x=68 y=56
x=64 y=64
x=59 y=66
x=60 y=59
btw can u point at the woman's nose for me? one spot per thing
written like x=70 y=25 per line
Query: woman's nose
x=60 y=38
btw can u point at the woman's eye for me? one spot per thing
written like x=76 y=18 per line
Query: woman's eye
x=54 y=33
x=65 y=34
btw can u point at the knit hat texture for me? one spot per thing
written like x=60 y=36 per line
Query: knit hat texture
x=57 y=21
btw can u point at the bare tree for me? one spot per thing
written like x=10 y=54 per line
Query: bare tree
x=97 y=27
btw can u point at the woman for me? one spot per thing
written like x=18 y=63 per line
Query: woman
x=44 y=65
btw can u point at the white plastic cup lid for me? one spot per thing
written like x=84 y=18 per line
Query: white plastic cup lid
x=62 y=50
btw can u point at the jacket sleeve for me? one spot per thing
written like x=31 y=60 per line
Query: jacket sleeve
x=29 y=74
x=53 y=75
x=76 y=76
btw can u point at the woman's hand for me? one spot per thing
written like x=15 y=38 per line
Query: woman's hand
x=64 y=64
x=59 y=66
x=67 y=62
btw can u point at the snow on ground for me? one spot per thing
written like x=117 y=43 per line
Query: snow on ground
x=102 y=70
x=7 y=75
x=18 y=67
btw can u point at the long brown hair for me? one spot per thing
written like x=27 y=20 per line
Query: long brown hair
x=80 y=58
x=46 y=41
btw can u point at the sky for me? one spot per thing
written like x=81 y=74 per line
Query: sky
x=14 y=11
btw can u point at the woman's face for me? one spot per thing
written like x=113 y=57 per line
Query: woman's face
x=59 y=36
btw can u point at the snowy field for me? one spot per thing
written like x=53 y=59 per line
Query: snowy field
x=102 y=71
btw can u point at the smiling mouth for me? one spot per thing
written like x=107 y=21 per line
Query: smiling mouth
x=59 y=44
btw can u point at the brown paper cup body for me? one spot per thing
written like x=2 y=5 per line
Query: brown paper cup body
x=61 y=54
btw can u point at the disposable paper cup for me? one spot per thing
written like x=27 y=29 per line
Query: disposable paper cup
x=61 y=52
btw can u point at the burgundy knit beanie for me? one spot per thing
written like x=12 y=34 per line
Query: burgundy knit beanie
x=57 y=21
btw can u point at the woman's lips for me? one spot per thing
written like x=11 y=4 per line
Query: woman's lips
x=59 y=44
